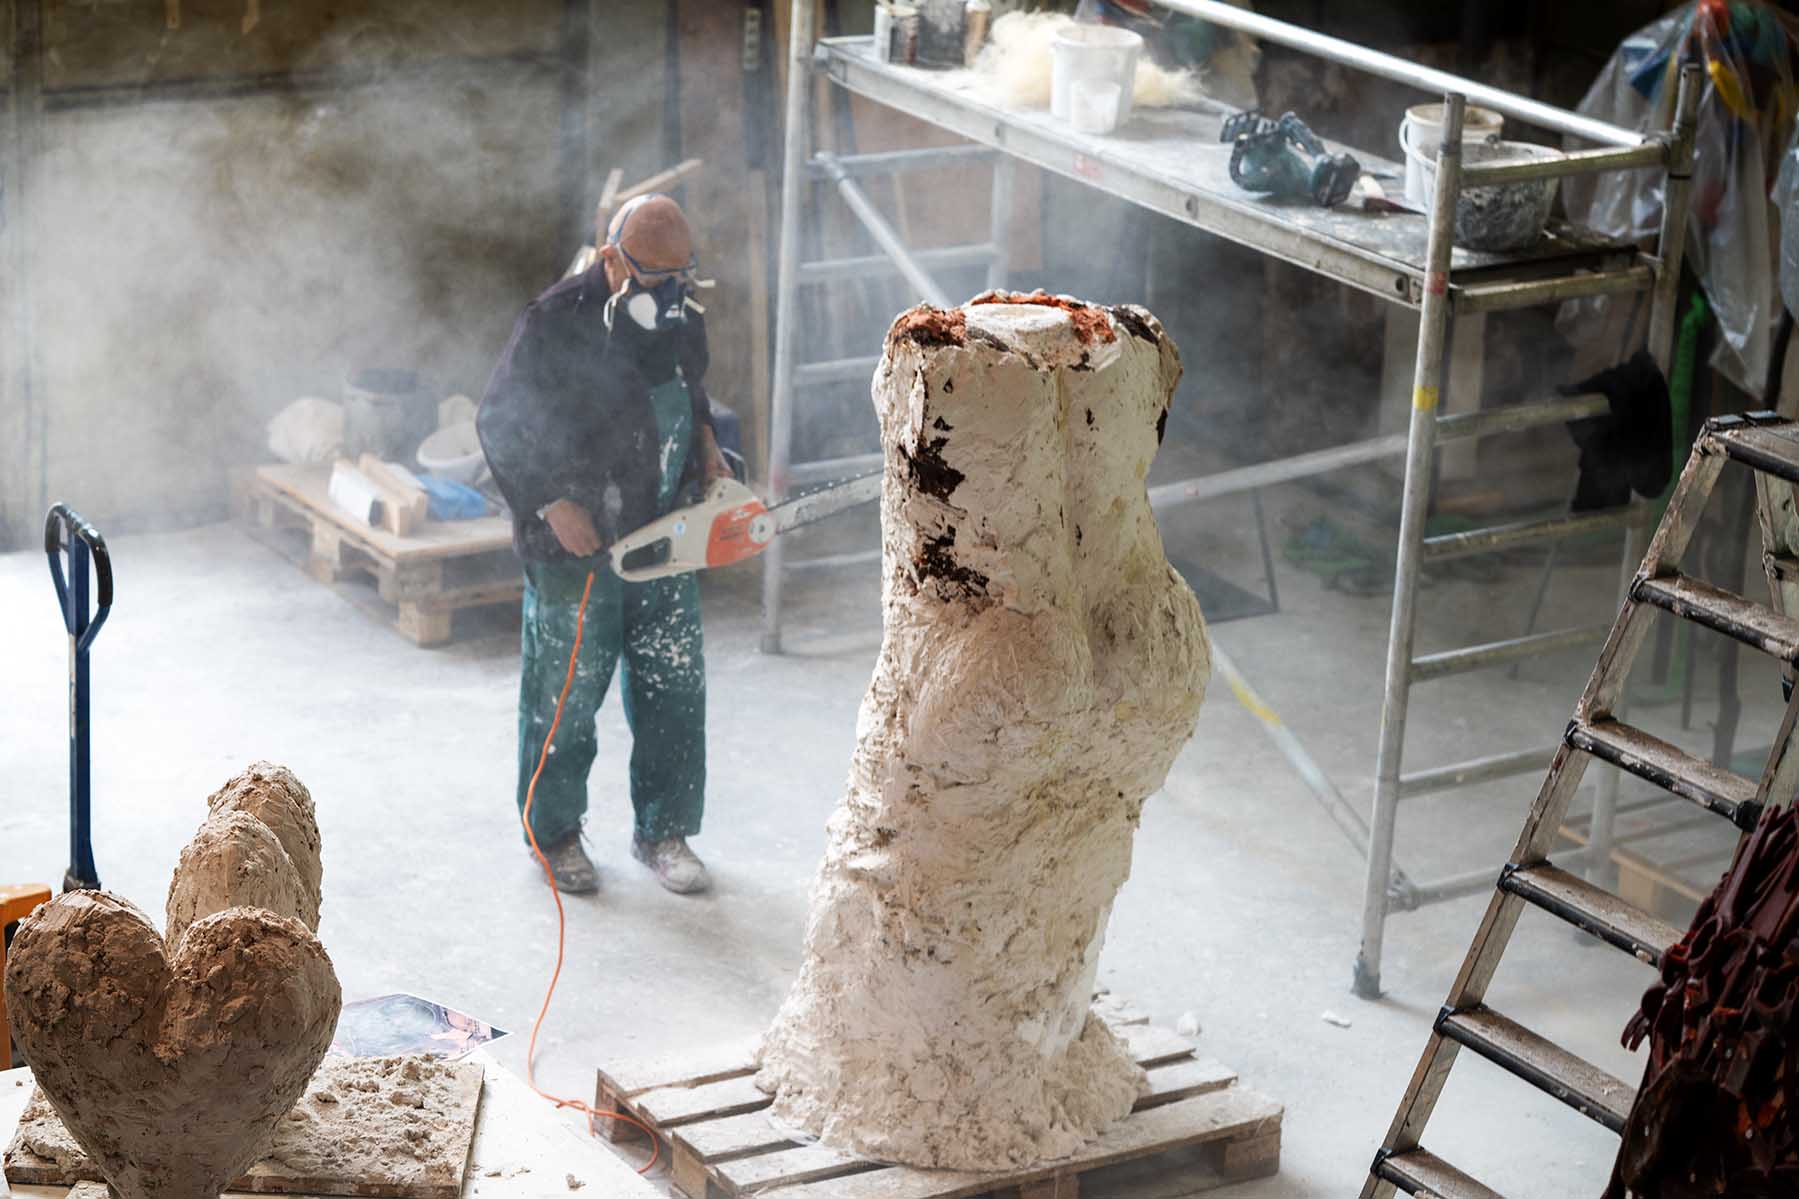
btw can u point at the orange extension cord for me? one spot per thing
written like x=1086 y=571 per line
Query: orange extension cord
x=592 y=1113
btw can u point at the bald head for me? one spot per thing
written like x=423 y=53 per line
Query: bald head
x=654 y=232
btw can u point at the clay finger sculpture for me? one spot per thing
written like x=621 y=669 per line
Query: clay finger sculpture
x=171 y=1061
x=258 y=848
x=1040 y=668
x=274 y=796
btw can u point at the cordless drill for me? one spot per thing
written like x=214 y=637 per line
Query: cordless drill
x=1286 y=160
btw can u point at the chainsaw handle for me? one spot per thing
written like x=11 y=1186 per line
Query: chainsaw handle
x=689 y=533
x=63 y=527
x=643 y=574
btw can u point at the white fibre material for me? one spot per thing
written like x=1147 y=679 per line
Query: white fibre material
x=1041 y=665
x=308 y=432
x=1014 y=69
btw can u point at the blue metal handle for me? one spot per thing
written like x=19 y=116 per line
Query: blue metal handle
x=64 y=528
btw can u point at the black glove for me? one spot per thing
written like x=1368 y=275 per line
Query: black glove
x=1631 y=448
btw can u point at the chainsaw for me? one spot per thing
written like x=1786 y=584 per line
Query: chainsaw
x=728 y=524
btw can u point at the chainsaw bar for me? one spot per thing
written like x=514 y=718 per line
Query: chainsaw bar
x=826 y=501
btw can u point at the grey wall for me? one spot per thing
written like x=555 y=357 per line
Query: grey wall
x=380 y=188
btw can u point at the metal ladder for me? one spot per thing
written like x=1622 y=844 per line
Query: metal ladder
x=1769 y=445
x=803 y=161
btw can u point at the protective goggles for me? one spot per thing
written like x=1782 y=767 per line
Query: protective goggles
x=650 y=274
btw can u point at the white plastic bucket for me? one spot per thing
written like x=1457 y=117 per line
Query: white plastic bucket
x=1421 y=133
x=454 y=453
x=1093 y=107
x=1093 y=54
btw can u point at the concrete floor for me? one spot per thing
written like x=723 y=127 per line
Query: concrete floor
x=1243 y=906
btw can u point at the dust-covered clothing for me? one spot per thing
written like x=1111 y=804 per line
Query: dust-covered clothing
x=610 y=420
x=568 y=414
x=651 y=632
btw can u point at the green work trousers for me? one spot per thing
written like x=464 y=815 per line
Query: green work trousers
x=651 y=632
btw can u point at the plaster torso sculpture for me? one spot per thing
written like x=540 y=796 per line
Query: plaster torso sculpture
x=1041 y=667
x=172 y=1059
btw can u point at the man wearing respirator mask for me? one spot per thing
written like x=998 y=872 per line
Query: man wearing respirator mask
x=595 y=423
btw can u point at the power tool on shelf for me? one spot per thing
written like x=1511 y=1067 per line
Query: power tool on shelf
x=1285 y=159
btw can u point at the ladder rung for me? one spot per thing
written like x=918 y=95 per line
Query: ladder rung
x=1475 y=770
x=1514 y=418
x=1421 y=1172
x=1753 y=624
x=1766 y=450
x=837 y=370
x=1592 y=909
x=1542 y=1063
x=1669 y=767
x=1492 y=297
x=1530 y=532
x=1497 y=653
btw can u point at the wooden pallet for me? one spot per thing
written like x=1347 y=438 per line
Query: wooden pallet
x=710 y=1120
x=1672 y=881
x=420 y=581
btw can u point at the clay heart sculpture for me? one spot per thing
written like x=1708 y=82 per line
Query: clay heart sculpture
x=170 y=1068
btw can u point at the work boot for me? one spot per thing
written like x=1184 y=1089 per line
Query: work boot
x=572 y=868
x=677 y=867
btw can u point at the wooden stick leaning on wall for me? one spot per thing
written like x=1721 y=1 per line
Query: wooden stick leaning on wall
x=611 y=198
x=661 y=182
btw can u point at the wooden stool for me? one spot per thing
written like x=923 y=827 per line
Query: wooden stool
x=17 y=901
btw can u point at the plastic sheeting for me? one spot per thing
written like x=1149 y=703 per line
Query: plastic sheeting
x=1786 y=193
x=1745 y=119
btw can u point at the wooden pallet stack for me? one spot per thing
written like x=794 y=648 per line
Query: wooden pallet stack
x=711 y=1122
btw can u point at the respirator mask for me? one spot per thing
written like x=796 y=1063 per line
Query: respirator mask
x=657 y=299
x=659 y=308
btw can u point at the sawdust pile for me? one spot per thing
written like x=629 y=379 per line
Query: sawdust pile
x=405 y=1120
x=43 y=1142
x=1041 y=666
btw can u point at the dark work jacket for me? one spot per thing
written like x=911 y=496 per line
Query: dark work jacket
x=567 y=414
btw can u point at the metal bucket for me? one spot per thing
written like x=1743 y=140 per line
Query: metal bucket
x=1506 y=217
x=388 y=411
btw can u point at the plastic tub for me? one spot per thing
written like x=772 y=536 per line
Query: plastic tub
x=1094 y=55
x=454 y=453
x=1421 y=133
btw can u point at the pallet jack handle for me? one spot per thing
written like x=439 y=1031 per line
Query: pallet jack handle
x=66 y=531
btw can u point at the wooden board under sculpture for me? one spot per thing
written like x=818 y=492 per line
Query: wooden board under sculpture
x=1041 y=666
x=394 y=1127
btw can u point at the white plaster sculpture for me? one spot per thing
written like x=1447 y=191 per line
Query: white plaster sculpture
x=1042 y=665
x=171 y=1060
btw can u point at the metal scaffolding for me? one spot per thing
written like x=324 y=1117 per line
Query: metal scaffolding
x=1411 y=263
